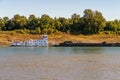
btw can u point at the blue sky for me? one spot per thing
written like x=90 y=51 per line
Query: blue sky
x=59 y=8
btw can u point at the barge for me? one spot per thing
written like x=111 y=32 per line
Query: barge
x=103 y=44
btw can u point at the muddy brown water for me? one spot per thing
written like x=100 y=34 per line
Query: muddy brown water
x=60 y=63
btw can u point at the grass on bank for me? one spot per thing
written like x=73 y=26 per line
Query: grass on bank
x=7 y=37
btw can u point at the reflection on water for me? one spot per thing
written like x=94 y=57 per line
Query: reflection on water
x=59 y=50
x=59 y=63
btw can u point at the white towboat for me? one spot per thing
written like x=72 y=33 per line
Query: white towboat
x=32 y=43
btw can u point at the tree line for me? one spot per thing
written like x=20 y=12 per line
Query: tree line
x=92 y=22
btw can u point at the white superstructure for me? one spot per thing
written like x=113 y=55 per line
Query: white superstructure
x=35 y=43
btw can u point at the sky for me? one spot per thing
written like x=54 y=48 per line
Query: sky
x=59 y=8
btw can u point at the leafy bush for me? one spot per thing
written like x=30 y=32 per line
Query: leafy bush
x=107 y=32
x=21 y=31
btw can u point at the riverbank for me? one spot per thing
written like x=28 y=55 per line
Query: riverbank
x=6 y=38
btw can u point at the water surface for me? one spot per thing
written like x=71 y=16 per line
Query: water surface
x=59 y=63
x=59 y=50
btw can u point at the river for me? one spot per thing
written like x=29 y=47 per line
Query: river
x=59 y=63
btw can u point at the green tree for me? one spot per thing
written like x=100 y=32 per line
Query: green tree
x=2 y=24
x=113 y=26
x=19 y=21
x=45 y=23
x=5 y=19
x=63 y=22
x=57 y=24
x=33 y=22
x=93 y=22
x=75 y=27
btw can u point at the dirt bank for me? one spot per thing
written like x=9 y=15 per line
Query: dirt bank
x=8 y=38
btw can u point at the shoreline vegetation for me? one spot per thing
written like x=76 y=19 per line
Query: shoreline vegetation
x=7 y=37
x=92 y=27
